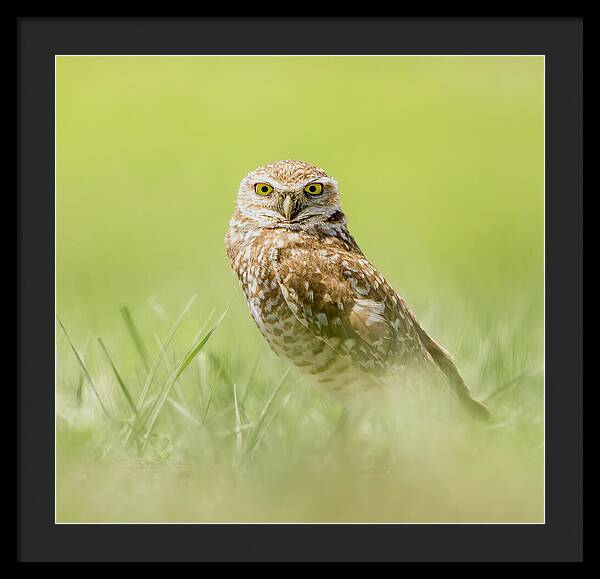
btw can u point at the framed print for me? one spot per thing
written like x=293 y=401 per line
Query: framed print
x=304 y=300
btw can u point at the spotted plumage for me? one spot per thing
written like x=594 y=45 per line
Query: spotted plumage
x=313 y=294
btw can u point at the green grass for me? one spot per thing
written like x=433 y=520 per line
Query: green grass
x=219 y=438
x=168 y=411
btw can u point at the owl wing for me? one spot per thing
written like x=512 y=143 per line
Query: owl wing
x=342 y=299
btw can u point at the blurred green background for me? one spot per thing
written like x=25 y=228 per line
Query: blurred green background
x=440 y=167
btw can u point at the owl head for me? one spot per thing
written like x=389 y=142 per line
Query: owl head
x=290 y=194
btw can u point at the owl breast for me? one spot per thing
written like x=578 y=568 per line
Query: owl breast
x=254 y=260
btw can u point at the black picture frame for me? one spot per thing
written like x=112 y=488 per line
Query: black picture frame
x=560 y=40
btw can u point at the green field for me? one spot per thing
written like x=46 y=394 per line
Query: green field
x=440 y=165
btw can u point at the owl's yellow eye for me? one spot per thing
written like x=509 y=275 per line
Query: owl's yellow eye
x=263 y=189
x=314 y=189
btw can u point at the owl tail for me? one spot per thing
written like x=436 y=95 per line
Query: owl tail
x=443 y=359
x=476 y=409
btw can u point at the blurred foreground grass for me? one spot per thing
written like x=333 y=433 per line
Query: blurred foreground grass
x=440 y=164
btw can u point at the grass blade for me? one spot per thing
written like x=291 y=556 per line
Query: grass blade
x=253 y=438
x=271 y=420
x=183 y=411
x=238 y=432
x=135 y=336
x=507 y=386
x=150 y=378
x=124 y=388
x=84 y=369
x=163 y=349
x=212 y=391
x=180 y=368
x=214 y=360
x=79 y=393
x=250 y=381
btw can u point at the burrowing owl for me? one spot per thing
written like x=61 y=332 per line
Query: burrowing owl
x=313 y=294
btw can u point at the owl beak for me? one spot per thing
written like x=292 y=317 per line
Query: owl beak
x=287 y=207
